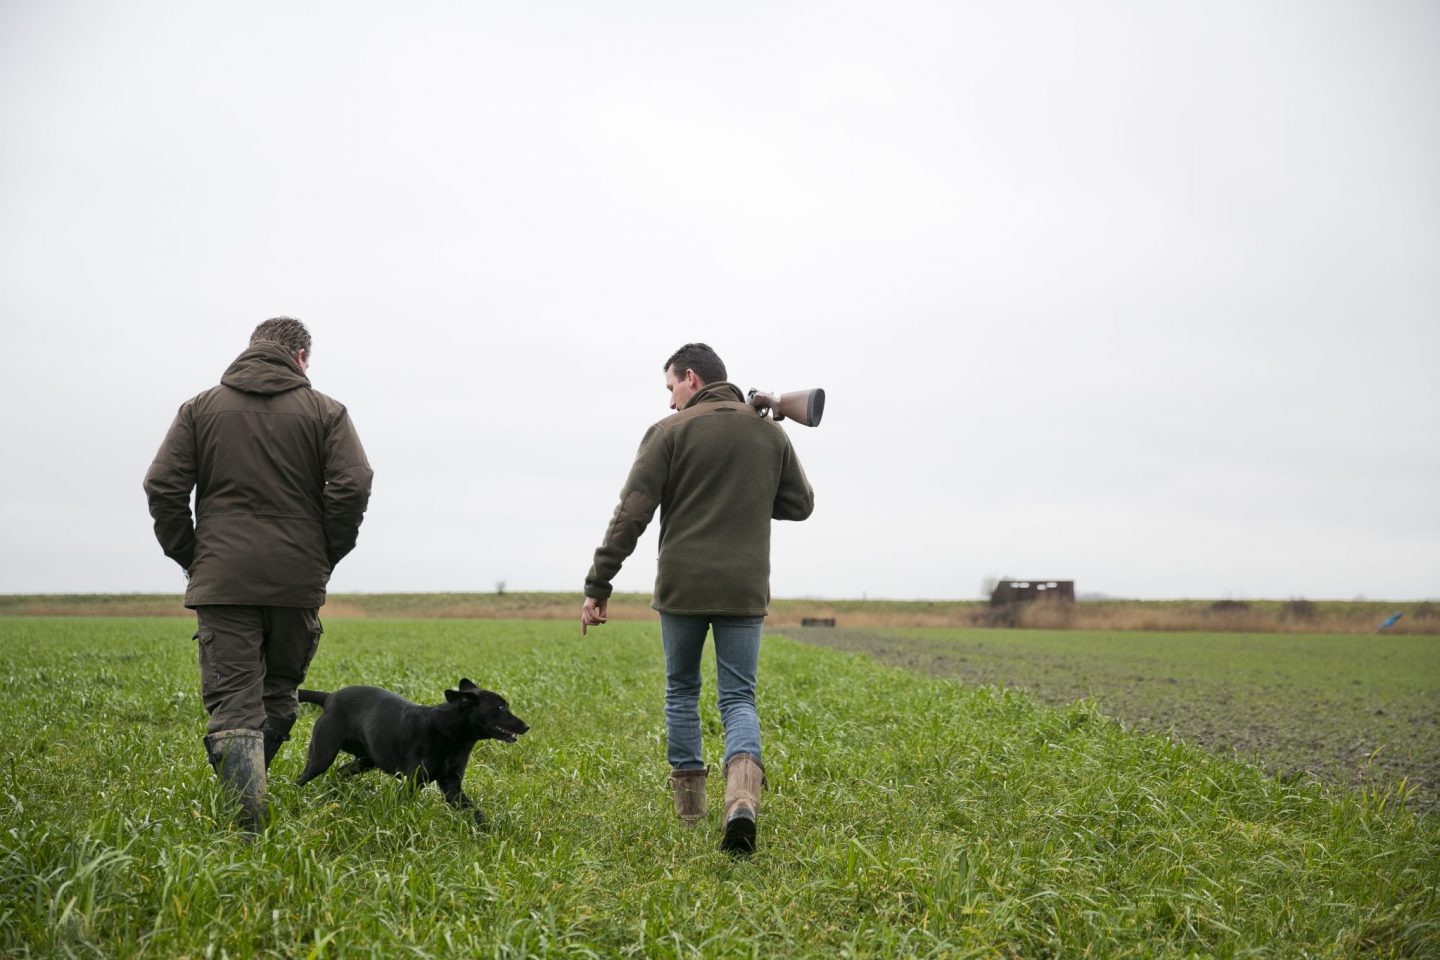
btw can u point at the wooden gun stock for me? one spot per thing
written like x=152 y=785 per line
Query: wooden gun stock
x=805 y=407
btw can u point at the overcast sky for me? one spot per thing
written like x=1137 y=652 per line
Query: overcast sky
x=1143 y=295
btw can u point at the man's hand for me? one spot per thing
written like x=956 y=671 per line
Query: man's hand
x=592 y=614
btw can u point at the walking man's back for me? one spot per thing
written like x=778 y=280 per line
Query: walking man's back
x=719 y=474
x=281 y=484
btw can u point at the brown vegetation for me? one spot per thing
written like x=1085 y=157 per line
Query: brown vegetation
x=1230 y=616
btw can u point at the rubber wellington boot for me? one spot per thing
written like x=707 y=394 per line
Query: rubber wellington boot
x=238 y=757
x=689 y=794
x=277 y=731
x=744 y=777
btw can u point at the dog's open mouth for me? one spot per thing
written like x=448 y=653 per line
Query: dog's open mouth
x=505 y=733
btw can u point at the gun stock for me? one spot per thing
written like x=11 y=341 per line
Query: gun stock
x=805 y=407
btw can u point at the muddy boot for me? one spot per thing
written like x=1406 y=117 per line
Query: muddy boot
x=744 y=776
x=689 y=794
x=238 y=757
x=277 y=731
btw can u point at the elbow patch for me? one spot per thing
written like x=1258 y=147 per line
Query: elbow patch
x=634 y=511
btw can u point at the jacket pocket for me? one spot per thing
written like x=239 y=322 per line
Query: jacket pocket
x=212 y=671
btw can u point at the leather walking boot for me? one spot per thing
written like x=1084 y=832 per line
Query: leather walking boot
x=277 y=731
x=689 y=794
x=744 y=778
x=238 y=757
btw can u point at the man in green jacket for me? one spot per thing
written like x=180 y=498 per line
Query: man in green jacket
x=281 y=484
x=719 y=472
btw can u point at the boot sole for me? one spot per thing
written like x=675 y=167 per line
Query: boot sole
x=739 y=836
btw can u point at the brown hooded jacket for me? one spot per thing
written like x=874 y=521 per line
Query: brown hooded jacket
x=281 y=484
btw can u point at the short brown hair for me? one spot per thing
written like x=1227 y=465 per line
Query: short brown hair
x=286 y=331
x=698 y=357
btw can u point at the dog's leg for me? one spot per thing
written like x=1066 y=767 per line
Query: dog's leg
x=356 y=766
x=456 y=798
x=324 y=746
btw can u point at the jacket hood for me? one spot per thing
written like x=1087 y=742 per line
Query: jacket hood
x=720 y=390
x=266 y=368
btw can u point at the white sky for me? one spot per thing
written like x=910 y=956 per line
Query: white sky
x=1146 y=295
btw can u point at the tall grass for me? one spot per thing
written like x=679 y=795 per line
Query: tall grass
x=905 y=816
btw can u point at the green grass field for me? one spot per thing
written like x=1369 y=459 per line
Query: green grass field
x=906 y=816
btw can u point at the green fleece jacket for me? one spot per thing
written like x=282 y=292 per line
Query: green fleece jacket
x=719 y=472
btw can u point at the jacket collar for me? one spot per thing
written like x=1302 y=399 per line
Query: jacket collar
x=717 y=392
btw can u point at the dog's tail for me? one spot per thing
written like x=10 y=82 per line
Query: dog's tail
x=314 y=696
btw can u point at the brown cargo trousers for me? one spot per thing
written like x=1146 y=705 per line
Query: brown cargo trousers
x=252 y=660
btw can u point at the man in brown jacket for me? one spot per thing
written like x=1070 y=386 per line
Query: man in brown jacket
x=719 y=472
x=281 y=484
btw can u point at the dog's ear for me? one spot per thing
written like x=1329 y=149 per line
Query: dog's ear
x=452 y=695
x=466 y=685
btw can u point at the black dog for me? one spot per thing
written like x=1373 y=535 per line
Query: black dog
x=388 y=732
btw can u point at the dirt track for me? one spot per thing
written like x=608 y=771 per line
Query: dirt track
x=1296 y=719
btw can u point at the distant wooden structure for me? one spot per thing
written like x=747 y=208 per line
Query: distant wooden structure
x=1022 y=591
x=817 y=621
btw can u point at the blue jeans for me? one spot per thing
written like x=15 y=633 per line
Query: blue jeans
x=737 y=653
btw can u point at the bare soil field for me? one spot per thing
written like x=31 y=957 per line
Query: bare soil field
x=1357 y=710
